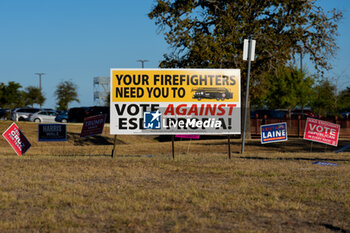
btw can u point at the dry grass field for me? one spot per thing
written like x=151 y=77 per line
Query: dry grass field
x=76 y=186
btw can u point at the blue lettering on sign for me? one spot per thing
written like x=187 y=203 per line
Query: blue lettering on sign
x=325 y=163
x=152 y=120
x=274 y=133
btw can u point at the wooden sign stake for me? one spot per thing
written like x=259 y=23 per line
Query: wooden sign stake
x=172 y=145
x=115 y=143
x=229 y=146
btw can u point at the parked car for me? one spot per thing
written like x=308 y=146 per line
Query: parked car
x=4 y=113
x=22 y=114
x=43 y=116
x=98 y=110
x=345 y=115
x=275 y=114
x=306 y=113
x=62 y=117
x=77 y=114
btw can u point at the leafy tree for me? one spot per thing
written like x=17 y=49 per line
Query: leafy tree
x=11 y=96
x=209 y=34
x=324 y=101
x=305 y=90
x=289 y=87
x=33 y=95
x=344 y=99
x=66 y=93
x=2 y=94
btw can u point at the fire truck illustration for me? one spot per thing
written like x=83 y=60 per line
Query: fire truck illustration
x=218 y=93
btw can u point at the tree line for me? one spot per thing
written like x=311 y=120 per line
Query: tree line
x=290 y=88
x=210 y=34
x=12 y=95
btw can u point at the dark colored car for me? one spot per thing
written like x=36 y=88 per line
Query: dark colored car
x=4 y=113
x=304 y=114
x=345 y=113
x=62 y=117
x=98 y=110
x=270 y=114
x=212 y=93
x=78 y=114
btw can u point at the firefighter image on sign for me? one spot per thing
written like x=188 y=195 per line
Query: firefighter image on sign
x=212 y=93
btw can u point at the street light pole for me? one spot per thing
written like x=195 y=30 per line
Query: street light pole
x=40 y=74
x=142 y=62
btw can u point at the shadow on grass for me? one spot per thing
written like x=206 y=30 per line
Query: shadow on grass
x=92 y=140
x=334 y=228
x=85 y=155
x=167 y=138
x=296 y=158
x=294 y=145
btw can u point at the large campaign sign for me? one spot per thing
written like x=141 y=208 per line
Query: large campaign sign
x=52 y=132
x=93 y=125
x=16 y=139
x=273 y=132
x=175 y=101
x=321 y=131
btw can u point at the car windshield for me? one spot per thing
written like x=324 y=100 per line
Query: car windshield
x=30 y=110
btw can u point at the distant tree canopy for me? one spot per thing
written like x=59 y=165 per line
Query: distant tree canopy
x=66 y=93
x=11 y=96
x=324 y=101
x=344 y=99
x=33 y=95
x=287 y=88
x=210 y=33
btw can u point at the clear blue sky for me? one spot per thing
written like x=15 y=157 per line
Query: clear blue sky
x=78 y=40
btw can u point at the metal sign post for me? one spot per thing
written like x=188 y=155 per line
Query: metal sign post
x=249 y=55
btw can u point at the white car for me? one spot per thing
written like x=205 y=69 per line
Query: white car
x=22 y=114
x=43 y=116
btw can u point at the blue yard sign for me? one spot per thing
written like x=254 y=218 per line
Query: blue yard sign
x=273 y=132
x=52 y=132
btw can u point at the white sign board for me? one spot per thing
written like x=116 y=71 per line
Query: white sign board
x=245 y=50
x=175 y=101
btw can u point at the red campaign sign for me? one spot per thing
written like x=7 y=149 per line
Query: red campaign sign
x=93 y=125
x=17 y=140
x=321 y=131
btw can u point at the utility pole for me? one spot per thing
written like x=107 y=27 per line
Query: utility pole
x=142 y=62
x=40 y=74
